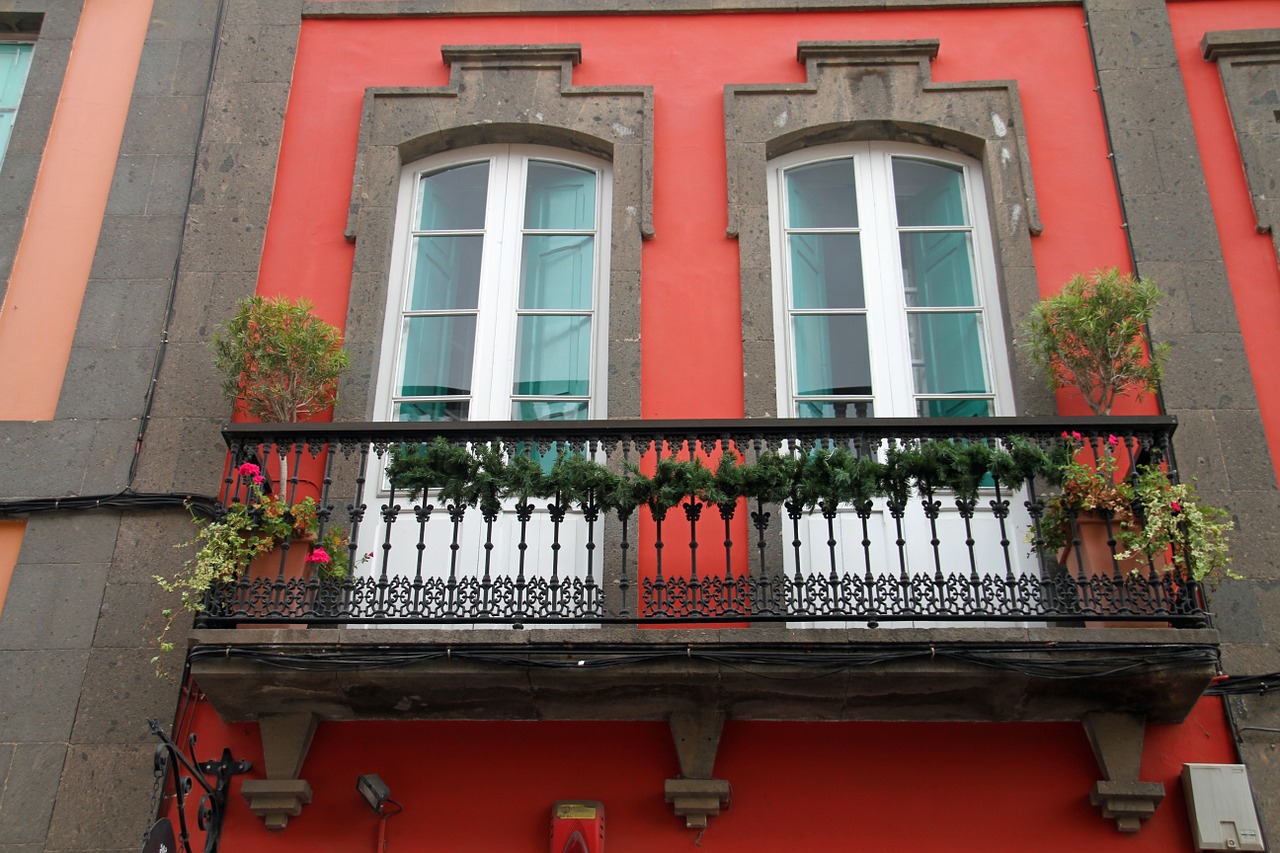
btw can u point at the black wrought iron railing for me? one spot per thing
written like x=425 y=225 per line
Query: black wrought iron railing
x=791 y=528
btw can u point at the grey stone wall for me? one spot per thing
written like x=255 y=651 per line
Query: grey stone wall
x=82 y=613
x=1208 y=384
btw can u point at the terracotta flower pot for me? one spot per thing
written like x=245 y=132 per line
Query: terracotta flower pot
x=264 y=570
x=1097 y=559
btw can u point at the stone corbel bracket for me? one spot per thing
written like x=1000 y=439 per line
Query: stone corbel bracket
x=285 y=741
x=694 y=795
x=1117 y=744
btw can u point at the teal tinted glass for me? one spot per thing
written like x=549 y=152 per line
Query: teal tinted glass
x=7 y=118
x=446 y=272
x=947 y=353
x=831 y=355
x=549 y=410
x=822 y=196
x=15 y=60
x=835 y=409
x=437 y=356
x=439 y=410
x=560 y=198
x=826 y=271
x=556 y=272
x=453 y=199
x=938 y=269
x=928 y=193
x=955 y=409
x=553 y=356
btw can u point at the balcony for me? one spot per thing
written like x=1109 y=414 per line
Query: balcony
x=919 y=602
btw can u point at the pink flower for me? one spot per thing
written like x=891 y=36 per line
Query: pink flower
x=1175 y=506
x=1077 y=436
x=248 y=469
x=319 y=555
x=258 y=479
x=1065 y=434
x=1112 y=440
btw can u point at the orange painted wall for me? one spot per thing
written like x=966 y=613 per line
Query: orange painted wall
x=471 y=787
x=10 y=544
x=1250 y=257
x=55 y=253
x=690 y=311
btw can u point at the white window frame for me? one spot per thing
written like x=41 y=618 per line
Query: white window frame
x=893 y=385
x=495 y=344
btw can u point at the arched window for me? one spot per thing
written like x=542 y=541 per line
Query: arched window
x=498 y=301
x=884 y=285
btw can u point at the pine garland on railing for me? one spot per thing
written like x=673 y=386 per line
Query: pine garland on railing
x=486 y=474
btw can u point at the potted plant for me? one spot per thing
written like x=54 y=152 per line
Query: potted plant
x=1143 y=521
x=1092 y=336
x=244 y=538
x=280 y=363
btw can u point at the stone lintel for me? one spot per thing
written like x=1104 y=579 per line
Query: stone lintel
x=1223 y=43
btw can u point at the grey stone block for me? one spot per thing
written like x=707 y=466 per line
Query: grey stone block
x=157 y=67
x=84 y=819
x=131 y=615
x=183 y=455
x=162 y=124
x=110 y=454
x=1238 y=614
x=107 y=382
x=26 y=800
x=224 y=239
x=130 y=185
x=30 y=474
x=120 y=312
x=147 y=547
x=192 y=75
x=41 y=690
x=122 y=692
x=137 y=247
x=70 y=538
x=52 y=607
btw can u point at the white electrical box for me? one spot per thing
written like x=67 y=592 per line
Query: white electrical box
x=1220 y=807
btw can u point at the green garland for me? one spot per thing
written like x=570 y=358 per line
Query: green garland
x=823 y=478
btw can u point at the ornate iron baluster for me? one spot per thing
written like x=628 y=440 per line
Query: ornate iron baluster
x=212 y=807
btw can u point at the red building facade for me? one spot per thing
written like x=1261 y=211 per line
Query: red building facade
x=1077 y=136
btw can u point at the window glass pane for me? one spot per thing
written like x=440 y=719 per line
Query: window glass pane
x=928 y=193
x=556 y=272
x=821 y=196
x=6 y=129
x=446 y=272
x=15 y=59
x=938 y=269
x=560 y=198
x=826 y=271
x=454 y=199
x=832 y=355
x=549 y=410
x=553 y=356
x=947 y=353
x=835 y=409
x=437 y=355
x=955 y=409
x=440 y=410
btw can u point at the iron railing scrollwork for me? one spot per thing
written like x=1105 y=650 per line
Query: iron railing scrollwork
x=930 y=558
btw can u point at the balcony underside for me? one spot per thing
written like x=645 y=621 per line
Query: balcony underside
x=767 y=672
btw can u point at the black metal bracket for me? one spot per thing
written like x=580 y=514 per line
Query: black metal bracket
x=213 y=803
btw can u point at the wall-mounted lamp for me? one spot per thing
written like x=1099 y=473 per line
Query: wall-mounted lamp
x=376 y=793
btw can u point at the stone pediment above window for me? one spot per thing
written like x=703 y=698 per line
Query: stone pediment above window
x=881 y=91
x=506 y=94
